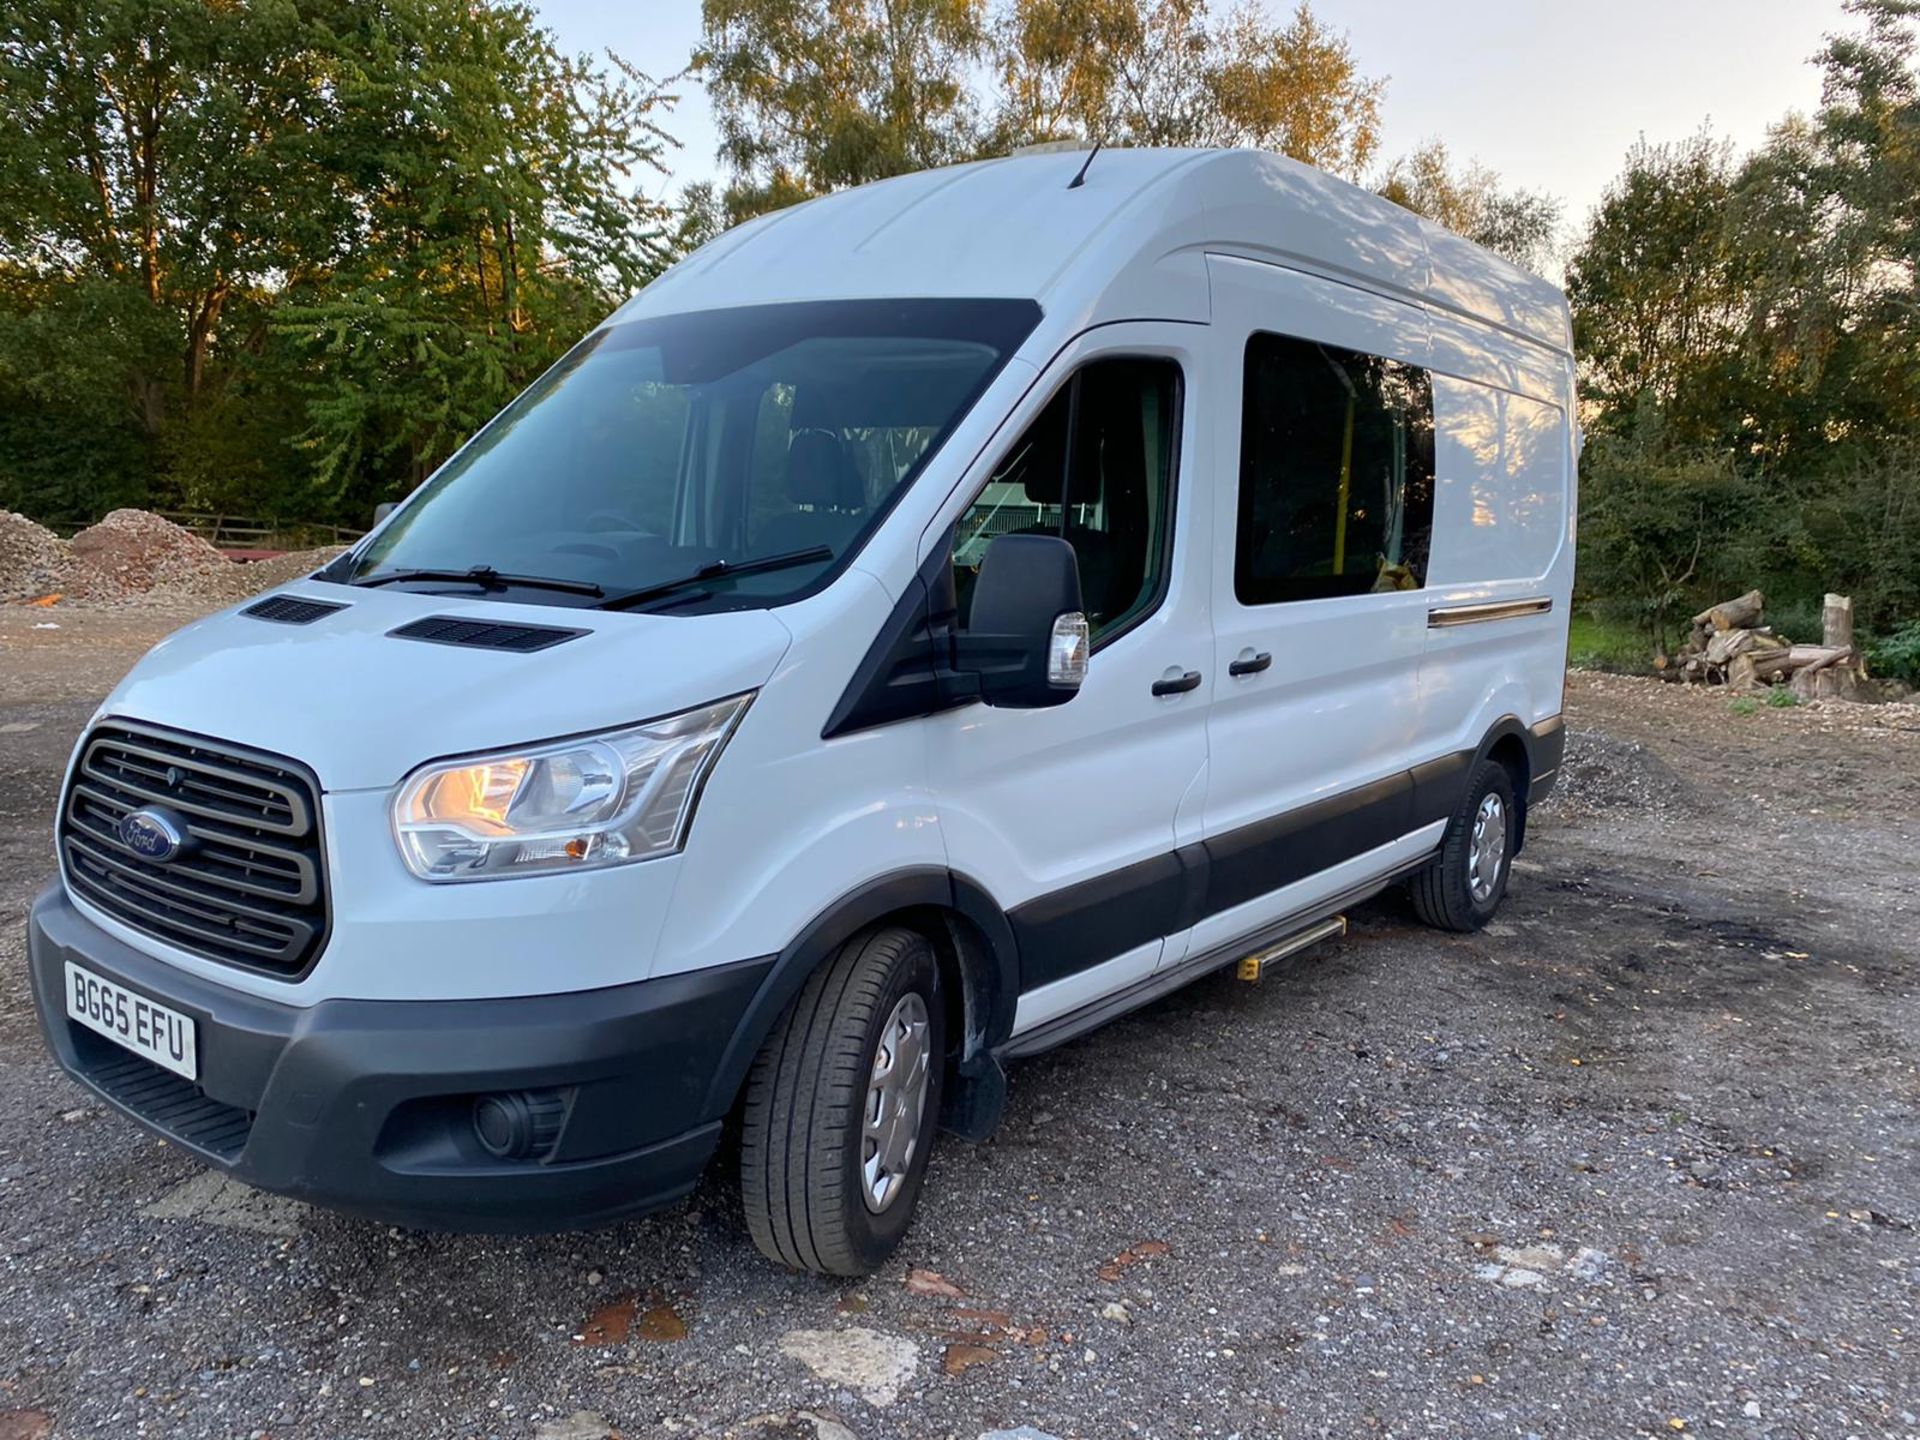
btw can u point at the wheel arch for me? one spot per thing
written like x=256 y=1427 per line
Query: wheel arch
x=979 y=964
x=1519 y=747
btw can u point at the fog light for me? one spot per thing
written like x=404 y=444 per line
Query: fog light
x=520 y=1125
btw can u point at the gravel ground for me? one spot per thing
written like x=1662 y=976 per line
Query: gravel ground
x=1638 y=1160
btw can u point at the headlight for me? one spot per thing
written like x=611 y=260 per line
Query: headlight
x=607 y=799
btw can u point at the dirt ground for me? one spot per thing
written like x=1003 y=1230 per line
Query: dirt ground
x=1638 y=1160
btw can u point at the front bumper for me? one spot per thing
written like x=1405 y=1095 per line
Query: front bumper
x=365 y=1105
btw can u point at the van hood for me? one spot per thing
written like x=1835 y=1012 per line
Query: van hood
x=362 y=707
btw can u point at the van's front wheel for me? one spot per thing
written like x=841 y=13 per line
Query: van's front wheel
x=841 y=1107
x=1462 y=888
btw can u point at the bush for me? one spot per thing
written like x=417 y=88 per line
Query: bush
x=1743 y=705
x=1798 y=619
x=1654 y=532
x=1897 y=655
x=1782 y=698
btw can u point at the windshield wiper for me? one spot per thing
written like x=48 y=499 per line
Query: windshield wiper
x=486 y=577
x=718 y=570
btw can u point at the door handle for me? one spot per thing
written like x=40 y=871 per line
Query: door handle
x=1252 y=665
x=1180 y=686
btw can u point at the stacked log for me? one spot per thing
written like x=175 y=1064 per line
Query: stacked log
x=1729 y=644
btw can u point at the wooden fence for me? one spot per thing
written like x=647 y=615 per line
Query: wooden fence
x=253 y=532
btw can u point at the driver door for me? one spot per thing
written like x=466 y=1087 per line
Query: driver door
x=1070 y=816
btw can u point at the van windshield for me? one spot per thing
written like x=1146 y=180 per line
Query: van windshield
x=769 y=438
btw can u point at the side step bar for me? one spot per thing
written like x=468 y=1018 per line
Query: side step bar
x=1074 y=1024
x=1254 y=965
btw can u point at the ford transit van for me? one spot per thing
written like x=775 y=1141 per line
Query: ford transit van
x=925 y=624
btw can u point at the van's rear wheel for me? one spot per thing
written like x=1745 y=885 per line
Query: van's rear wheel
x=841 y=1107
x=1462 y=888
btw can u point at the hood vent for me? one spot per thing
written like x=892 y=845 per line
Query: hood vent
x=291 y=609
x=485 y=635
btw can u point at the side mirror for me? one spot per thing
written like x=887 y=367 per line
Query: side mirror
x=1026 y=640
x=384 y=509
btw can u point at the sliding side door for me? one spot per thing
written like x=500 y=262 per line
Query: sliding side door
x=1325 y=504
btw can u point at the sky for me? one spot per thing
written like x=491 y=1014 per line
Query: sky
x=1548 y=93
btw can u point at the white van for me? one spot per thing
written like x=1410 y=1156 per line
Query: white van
x=925 y=624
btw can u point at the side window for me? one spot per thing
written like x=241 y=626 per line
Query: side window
x=1336 y=473
x=1095 y=468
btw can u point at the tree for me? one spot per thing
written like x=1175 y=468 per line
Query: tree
x=1827 y=219
x=155 y=170
x=498 y=225
x=1521 y=225
x=191 y=195
x=1870 y=120
x=815 y=95
x=1654 y=290
x=1749 y=338
x=1652 y=533
x=1166 y=72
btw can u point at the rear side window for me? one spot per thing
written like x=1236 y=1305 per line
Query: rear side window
x=1336 y=473
x=1096 y=468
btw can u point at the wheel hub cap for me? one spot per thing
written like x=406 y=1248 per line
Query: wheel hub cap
x=1488 y=850
x=896 y=1103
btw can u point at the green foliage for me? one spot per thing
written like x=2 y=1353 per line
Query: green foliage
x=1780 y=697
x=1596 y=643
x=74 y=433
x=1743 y=705
x=1652 y=288
x=1749 y=344
x=1860 y=526
x=282 y=256
x=1649 y=514
x=1170 y=72
x=278 y=257
x=1470 y=201
x=811 y=97
x=816 y=95
x=1897 y=654
x=498 y=236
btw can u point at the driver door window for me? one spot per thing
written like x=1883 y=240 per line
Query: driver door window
x=1096 y=468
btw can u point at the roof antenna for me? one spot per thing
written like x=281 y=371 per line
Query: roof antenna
x=1081 y=178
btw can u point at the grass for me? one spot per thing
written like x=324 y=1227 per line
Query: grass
x=1778 y=697
x=1596 y=644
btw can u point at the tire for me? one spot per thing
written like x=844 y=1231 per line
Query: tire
x=804 y=1183
x=1455 y=892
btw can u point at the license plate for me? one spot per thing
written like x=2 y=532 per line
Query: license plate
x=161 y=1035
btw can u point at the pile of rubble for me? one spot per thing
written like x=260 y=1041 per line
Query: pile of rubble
x=232 y=583
x=134 y=554
x=33 y=560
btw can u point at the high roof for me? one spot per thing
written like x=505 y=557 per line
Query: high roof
x=1128 y=243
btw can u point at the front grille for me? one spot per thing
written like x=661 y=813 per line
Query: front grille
x=247 y=888
x=163 y=1099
